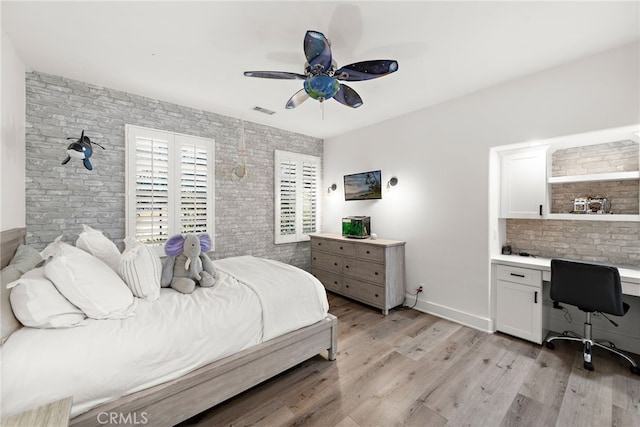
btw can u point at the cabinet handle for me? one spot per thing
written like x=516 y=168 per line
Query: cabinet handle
x=540 y=210
x=517 y=275
x=535 y=297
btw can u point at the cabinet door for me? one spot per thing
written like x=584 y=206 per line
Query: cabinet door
x=523 y=190
x=519 y=310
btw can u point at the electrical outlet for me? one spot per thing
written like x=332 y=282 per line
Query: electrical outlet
x=419 y=288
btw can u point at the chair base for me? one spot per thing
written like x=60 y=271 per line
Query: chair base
x=588 y=344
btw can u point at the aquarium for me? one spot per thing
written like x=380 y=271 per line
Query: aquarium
x=363 y=186
x=358 y=227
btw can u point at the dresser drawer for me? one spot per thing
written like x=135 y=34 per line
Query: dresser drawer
x=524 y=276
x=331 y=281
x=363 y=291
x=370 y=252
x=369 y=271
x=326 y=261
x=333 y=246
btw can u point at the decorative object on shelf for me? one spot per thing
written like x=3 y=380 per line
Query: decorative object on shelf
x=81 y=149
x=363 y=186
x=321 y=74
x=591 y=205
x=357 y=227
x=392 y=182
x=332 y=187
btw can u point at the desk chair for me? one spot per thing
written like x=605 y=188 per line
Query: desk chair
x=593 y=288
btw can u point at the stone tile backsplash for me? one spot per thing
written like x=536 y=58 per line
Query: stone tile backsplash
x=614 y=242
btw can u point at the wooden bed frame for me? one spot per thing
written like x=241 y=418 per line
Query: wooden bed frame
x=172 y=402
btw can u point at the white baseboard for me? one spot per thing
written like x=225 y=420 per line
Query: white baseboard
x=471 y=320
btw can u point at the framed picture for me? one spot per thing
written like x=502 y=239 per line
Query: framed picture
x=363 y=186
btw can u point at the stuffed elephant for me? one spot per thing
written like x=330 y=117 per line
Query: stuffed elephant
x=187 y=263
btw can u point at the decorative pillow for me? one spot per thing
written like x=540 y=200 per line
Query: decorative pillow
x=140 y=267
x=98 y=245
x=25 y=258
x=90 y=284
x=37 y=303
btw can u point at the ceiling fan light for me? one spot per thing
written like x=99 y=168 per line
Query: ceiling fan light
x=321 y=87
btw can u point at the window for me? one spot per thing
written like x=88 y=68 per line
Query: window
x=297 y=190
x=170 y=189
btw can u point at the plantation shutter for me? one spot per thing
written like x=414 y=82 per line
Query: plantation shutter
x=195 y=186
x=297 y=196
x=309 y=197
x=169 y=185
x=151 y=190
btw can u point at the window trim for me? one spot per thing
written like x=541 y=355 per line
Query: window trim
x=175 y=142
x=299 y=236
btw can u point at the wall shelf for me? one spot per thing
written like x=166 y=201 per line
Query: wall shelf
x=610 y=176
x=594 y=217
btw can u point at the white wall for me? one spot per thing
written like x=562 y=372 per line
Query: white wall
x=12 y=153
x=440 y=156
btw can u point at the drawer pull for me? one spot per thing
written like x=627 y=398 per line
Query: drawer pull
x=314 y=258
x=368 y=252
x=517 y=275
x=535 y=297
x=340 y=247
x=376 y=295
x=376 y=273
x=346 y=266
x=346 y=286
x=335 y=282
x=335 y=263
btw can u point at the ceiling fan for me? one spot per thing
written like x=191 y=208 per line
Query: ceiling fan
x=321 y=74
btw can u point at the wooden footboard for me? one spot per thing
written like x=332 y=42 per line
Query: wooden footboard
x=175 y=401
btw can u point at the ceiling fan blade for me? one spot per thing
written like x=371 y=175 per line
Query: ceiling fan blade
x=317 y=50
x=298 y=98
x=366 y=70
x=348 y=97
x=275 y=75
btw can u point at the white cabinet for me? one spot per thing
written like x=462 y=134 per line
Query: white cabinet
x=523 y=183
x=519 y=302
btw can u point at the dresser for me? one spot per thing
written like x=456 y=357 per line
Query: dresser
x=370 y=271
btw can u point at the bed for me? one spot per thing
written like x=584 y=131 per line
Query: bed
x=255 y=339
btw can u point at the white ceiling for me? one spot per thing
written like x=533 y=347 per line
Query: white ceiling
x=194 y=53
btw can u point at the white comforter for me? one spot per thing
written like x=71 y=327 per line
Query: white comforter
x=253 y=301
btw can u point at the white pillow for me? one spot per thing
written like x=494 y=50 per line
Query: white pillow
x=98 y=245
x=90 y=284
x=140 y=268
x=37 y=303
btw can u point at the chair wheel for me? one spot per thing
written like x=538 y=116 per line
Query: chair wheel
x=550 y=345
x=635 y=370
x=588 y=366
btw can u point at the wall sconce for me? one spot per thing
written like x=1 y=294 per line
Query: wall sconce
x=392 y=182
x=333 y=187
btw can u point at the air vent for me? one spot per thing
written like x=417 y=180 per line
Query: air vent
x=263 y=110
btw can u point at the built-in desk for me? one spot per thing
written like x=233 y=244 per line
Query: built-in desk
x=523 y=308
x=629 y=277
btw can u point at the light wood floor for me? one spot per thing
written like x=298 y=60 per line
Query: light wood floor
x=413 y=369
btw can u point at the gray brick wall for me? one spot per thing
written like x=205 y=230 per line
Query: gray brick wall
x=618 y=156
x=614 y=242
x=59 y=199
